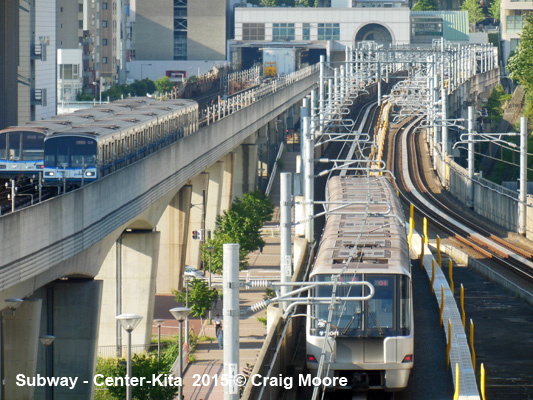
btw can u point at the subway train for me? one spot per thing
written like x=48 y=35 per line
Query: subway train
x=367 y=343
x=22 y=147
x=135 y=128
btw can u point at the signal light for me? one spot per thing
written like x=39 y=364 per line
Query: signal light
x=195 y=234
x=311 y=358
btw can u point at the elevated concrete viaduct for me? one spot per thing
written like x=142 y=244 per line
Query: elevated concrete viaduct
x=131 y=231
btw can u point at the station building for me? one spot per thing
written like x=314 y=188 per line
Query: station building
x=308 y=32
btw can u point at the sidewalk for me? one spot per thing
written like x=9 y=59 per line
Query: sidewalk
x=209 y=359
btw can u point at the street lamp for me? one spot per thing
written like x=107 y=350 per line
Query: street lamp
x=186 y=279
x=47 y=340
x=210 y=250
x=180 y=313
x=129 y=322
x=99 y=84
x=13 y=304
x=159 y=322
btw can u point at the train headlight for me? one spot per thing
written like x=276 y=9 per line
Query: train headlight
x=49 y=173
x=311 y=358
x=408 y=358
x=90 y=173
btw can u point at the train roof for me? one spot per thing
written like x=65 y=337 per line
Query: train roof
x=367 y=224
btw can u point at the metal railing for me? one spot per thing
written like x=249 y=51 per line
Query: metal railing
x=121 y=351
x=227 y=107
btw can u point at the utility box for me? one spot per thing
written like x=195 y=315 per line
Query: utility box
x=279 y=61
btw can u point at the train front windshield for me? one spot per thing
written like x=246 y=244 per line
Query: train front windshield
x=21 y=146
x=72 y=152
x=386 y=314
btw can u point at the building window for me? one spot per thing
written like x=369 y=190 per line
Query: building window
x=422 y=27
x=104 y=42
x=329 y=32
x=180 y=46
x=180 y=29
x=80 y=8
x=306 y=32
x=104 y=6
x=515 y=23
x=104 y=24
x=253 y=31
x=104 y=60
x=68 y=71
x=283 y=32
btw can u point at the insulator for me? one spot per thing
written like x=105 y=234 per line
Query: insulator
x=259 y=306
x=259 y=283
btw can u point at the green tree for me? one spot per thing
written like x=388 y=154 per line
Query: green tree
x=141 y=88
x=201 y=298
x=241 y=224
x=475 y=12
x=142 y=366
x=520 y=65
x=494 y=9
x=164 y=84
x=426 y=5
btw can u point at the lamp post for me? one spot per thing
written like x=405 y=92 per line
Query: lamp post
x=180 y=313
x=13 y=304
x=186 y=279
x=159 y=322
x=129 y=322
x=210 y=250
x=99 y=84
x=47 y=340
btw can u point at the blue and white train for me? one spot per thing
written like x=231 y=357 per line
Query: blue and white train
x=85 y=153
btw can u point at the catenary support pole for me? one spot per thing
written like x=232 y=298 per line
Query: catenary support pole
x=522 y=208
x=231 y=318
x=285 y=223
x=470 y=182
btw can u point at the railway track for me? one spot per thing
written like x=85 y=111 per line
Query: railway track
x=412 y=189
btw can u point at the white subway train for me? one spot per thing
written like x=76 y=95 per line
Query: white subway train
x=135 y=128
x=370 y=343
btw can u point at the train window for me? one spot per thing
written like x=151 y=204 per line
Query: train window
x=347 y=316
x=66 y=151
x=3 y=146
x=14 y=146
x=32 y=146
x=380 y=309
x=405 y=311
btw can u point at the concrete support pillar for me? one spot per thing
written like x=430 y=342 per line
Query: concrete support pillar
x=129 y=273
x=21 y=344
x=174 y=229
x=219 y=193
x=245 y=171
x=71 y=313
x=197 y=219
